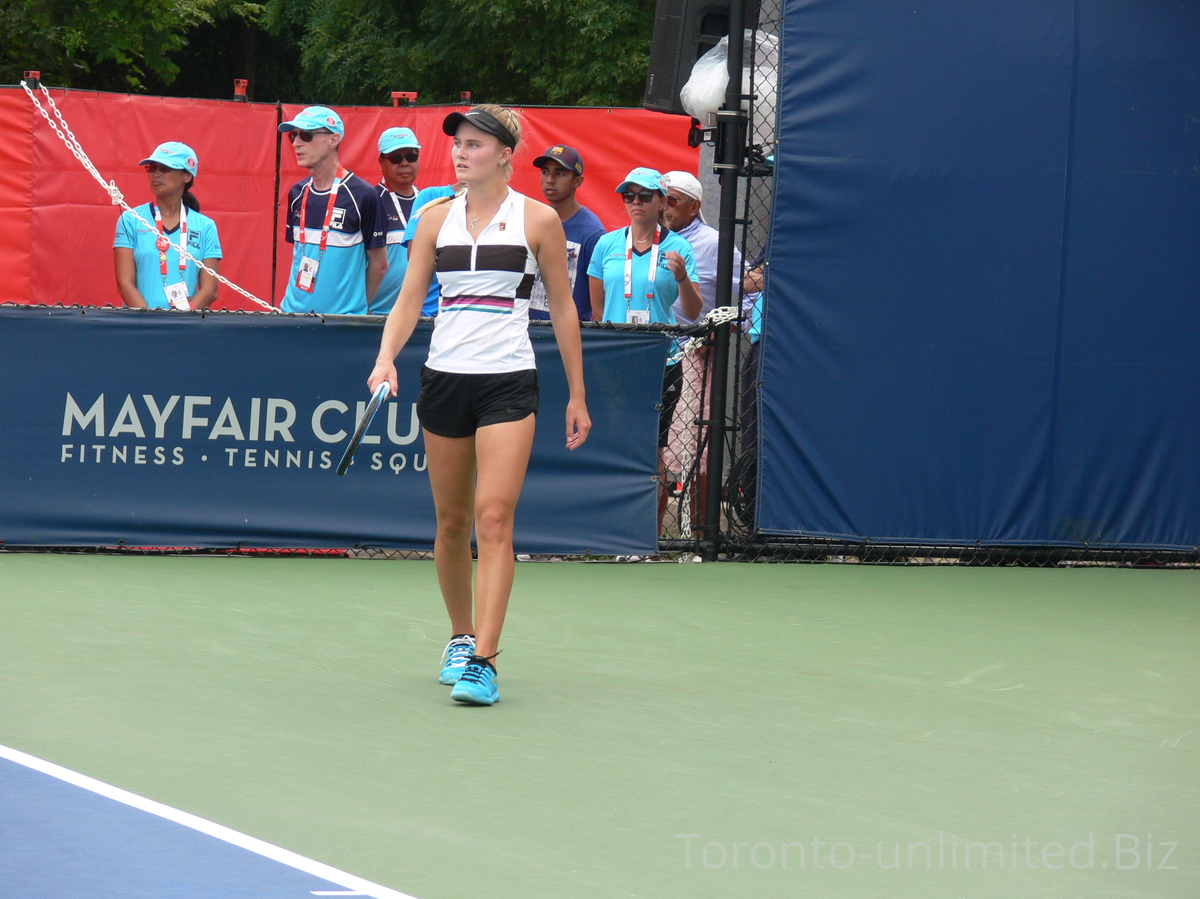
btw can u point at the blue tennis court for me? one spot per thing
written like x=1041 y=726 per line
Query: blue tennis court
x=64 y=834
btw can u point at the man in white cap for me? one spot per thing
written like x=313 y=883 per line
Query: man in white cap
x=684 y=217
x=400 y=163
x=334 y=221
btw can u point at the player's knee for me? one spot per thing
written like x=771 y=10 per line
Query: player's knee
x=454 y=525
x=494 y=523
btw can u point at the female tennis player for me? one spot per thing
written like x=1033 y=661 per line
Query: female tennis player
x=150 y=272
x=479 y=392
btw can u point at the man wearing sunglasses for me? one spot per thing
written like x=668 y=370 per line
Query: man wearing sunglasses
x=685 y=218
x=400 y=164
x=334 y=222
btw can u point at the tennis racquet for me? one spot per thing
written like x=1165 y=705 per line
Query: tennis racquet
x=377 y=399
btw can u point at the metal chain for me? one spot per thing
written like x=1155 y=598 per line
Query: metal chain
x=72 y=143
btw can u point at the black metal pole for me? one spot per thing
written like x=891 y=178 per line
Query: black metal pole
x=731 y=122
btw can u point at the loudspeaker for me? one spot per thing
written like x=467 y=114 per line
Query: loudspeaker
x=684 y=30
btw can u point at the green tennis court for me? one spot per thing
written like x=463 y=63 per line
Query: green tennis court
x=667 y=730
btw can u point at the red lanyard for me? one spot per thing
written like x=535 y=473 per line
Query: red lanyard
x=650 y=271
x=162 y=243
x=337 y=180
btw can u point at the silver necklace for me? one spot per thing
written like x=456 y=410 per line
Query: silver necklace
x=483 y=215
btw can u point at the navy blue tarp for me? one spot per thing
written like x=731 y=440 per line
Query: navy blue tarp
x=159 y=429
x=983 y=306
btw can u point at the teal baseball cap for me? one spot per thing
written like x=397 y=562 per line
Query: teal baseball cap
x=315 y=118
x=397 y=139
x=175 y=155
x=644 y=177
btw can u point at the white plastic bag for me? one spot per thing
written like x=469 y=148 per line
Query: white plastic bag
x=704 y=92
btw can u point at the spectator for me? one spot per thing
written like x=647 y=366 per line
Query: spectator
x=685 y=217
x=334 y=221
x=638 y=272
x=400 y=164
x=150 y=271
x=426 y=196
x=562 y=175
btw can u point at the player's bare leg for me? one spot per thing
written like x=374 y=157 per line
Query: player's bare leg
x=451 y=468
x=503 y=456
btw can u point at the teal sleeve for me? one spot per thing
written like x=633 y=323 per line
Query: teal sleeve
x=211 y=248
x=125 y=232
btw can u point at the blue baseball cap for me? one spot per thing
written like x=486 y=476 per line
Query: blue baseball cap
x=397 y=139
x=174 y=155
x=315 y=118
x=644 y=177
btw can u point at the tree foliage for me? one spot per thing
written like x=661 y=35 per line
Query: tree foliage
x=592 y=52
x=105 y=44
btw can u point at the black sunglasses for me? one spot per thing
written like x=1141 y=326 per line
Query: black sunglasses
x=305 y=136
x=644 y=196
x=402 y=156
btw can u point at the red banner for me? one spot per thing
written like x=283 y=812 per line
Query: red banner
x=59 y=223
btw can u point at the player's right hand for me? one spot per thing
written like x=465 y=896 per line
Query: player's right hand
x=384 y=371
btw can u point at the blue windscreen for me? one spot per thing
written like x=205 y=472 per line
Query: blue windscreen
x=983 y=301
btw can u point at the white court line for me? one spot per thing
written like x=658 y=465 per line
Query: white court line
x=220 y=832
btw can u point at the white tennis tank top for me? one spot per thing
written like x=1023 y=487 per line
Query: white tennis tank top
x=482 y=325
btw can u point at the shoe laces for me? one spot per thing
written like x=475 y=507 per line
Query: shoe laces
x=478 y=670
x=459 y=651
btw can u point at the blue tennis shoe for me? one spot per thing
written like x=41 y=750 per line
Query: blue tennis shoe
x=455 y=657
x=477 y=685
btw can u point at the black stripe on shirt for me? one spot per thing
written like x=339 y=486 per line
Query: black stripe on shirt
x=453 y=259
x=488 y=258
x=501 y=258
x=525 y=288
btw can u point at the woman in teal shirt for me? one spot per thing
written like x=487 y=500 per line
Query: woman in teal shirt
x=150 y=272
x=622 y=287
x=636 y=274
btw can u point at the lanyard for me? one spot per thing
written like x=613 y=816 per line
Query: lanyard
x=396 y=203
x=337 y=181
x=162 y=243
x=650 y=271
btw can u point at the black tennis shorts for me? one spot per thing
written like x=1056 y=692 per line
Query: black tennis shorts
x=457 y=405
x=672 y=388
